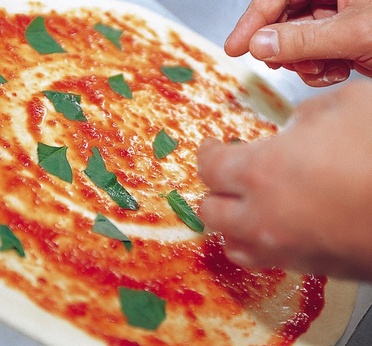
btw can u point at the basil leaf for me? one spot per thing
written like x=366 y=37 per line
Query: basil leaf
x=67 y=104
x=2 y=80
x=10 y=241
x=54 y=161
x=142 y=308
x=110 y=33
x=163 y=144
x=104 y=226
x=107 y=181
x=38 y=38
x=178 y=73
x=184 y=211
x=118 y=84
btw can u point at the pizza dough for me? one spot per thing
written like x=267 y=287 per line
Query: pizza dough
x=69 y=278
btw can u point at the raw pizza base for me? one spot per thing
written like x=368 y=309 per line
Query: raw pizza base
x=16 y=309
x=51 y=330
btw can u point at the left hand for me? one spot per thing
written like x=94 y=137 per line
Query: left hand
x=321 y=40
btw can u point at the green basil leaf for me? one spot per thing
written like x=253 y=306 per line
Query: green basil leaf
x=118 y=84
x=10 y=241
x=54 y=161
x=2 y=80
x=66 y=103
x=104 y=226
x=163 y=144
x=142 y=308
x=38 y=38
x=184 y=211
x=178 y=73
x=107 y=181
x=110 y=33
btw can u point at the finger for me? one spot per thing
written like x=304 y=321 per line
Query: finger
x=234 y=218
x=363 y=70
x=274 y=65
x=225 y=213
x=321 y=11
x=333 y=72
x=310 y=11
x=258 y=14
x=309 y=66
x=304 y=67
x=222 y=167
x=309 y=40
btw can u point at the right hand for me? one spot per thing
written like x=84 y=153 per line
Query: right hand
x=322 y=40
x=301 y=199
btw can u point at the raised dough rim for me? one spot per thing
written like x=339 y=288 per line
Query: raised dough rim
x=334 y=317
x=335 y=290
x=245 y=75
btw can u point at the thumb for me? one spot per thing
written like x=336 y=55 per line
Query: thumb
x=337 y=37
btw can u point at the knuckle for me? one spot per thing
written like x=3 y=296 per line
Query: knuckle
x=304 y=38
x=296 y=42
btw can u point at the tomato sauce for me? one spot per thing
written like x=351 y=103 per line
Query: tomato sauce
x=78 y=272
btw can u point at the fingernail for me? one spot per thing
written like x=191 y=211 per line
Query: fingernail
x=309 y=66
x=336 y=75
x=239 y=257
x=264 y=44
x=227 y=40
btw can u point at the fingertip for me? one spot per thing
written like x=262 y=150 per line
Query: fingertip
x=273 y=65
x=336 y=74
x=333 y=73
x=235 y=46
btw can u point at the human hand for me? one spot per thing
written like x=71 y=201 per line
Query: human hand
x=301 y=199
x=321 y=40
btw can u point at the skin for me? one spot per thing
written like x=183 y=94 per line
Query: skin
x=303 y=198
x=321 y=40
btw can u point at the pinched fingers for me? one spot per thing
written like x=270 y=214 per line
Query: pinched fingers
x=258 y=14
x=261 y=13
x=324 y=39
x=320 y=73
